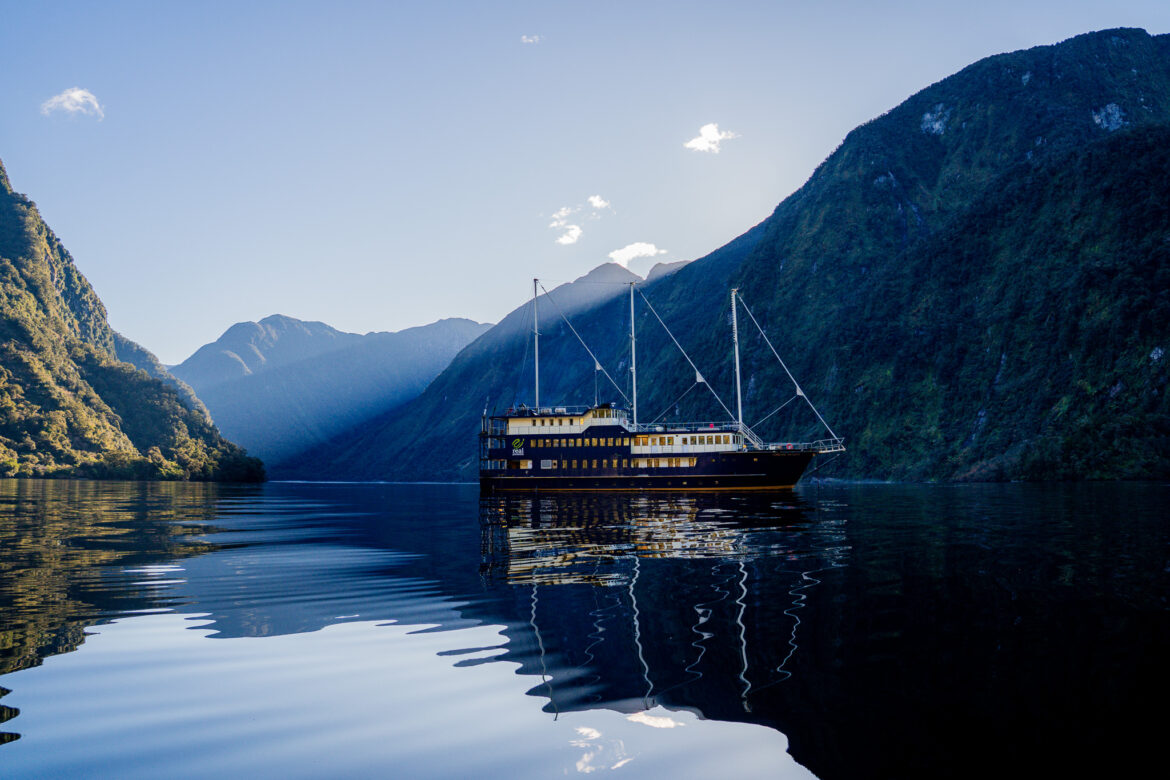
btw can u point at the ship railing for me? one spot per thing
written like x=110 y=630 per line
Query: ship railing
x=821 y=446
x=552 y=411
x=751 y=437
x=690 y=427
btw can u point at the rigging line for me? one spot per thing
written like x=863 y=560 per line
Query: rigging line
x=820 y=466
x=596 y=362
x=675 y=403
x=786 y=371
x=778 y=408
x=581 y=280
x=685 y=355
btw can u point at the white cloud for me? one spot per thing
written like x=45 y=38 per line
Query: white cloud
x=560 y=217
x=74 y=100
x=571 y=234
x=633 y=251
x=709 y=139
x=529 y=39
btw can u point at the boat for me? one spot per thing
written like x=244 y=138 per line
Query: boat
x=603 y=447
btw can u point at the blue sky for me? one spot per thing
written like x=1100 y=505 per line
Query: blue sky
x=381 y=165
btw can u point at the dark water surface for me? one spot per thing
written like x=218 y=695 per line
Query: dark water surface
x=292 y=630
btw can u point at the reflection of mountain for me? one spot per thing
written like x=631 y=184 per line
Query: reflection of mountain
x=76 y=552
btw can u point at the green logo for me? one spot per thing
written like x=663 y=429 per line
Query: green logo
x=517 y=443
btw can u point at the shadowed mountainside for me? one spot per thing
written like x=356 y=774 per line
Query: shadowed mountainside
x=972 y=286
x=283 y=385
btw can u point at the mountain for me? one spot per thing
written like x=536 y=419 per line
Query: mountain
x=363 y=453
x=282 y=385
x=973 y=285
x=69 y=404
x=663 y=269
x=248 y=348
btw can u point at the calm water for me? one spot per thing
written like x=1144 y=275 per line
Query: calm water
x=283 y=630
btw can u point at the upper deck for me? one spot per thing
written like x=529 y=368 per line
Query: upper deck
x=557 y=422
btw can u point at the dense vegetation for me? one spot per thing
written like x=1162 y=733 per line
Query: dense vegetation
x=972 y=286
x=68 y=405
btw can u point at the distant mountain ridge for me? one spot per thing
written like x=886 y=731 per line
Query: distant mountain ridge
x=339 y=456
x=251 y=347
x=282 y=385
x=974 y=285
x=69 y=404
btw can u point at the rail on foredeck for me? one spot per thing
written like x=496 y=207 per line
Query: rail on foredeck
x=820 y=447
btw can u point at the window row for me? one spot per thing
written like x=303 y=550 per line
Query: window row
x=667 y=441
x=607 y=442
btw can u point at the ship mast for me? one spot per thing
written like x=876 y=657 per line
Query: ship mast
x=735 y=343
x=633 y=359
x=536 y=341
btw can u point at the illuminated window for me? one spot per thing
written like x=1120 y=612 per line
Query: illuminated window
x=609 y=442
x=605 y=464
x=624 y=463
x=574 y=464
x=595 y=463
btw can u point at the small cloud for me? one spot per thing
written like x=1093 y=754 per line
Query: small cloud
x=561 y=216
x=709 y=139
x=530 y=39
x=633 y=251
x=74 y=100
x=571 y=234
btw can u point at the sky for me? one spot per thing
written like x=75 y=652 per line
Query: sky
x=380 y=165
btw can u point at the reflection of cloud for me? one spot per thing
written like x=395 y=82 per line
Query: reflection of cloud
x=633 y=251
x=709 y=139
x=529 y=39
x=74 y=100
x=596 y=752
x=654 y=721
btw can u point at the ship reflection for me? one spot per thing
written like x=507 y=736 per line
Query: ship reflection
x=688 y=601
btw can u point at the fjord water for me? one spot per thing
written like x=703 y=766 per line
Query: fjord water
x=838 y=631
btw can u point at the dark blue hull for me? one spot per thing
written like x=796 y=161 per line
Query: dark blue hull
x=751 y=470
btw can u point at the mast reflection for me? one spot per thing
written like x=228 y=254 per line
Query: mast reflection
x=685 y=600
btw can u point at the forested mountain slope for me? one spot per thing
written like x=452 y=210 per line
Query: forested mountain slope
x=69 y=406
x=972 y=286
